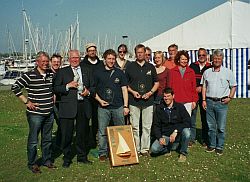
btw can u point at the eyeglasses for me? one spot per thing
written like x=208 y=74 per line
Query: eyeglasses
x=148 y=54
x=122 y=52
x=201 y=55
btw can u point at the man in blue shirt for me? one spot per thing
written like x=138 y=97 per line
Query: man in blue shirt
x=218 y=90
x=112 y=95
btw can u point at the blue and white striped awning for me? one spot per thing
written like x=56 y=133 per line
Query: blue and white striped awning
x=236 y=60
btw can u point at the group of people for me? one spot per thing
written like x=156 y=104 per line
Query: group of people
x=159 y=100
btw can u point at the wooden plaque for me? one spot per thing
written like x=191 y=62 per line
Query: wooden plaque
x=122 y=145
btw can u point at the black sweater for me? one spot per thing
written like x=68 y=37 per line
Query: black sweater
x=166 y=122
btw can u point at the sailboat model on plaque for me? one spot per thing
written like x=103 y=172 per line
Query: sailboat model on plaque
x=123 y=149
x=122 y=145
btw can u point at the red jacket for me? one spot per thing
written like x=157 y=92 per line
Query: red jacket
x=184 y=88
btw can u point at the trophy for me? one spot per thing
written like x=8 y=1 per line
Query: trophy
x=141 y=87
x=108 y=95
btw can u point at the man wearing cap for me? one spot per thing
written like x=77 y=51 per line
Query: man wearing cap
x=92 y=61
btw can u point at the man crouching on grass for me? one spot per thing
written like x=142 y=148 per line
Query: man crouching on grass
x=171 y=125
x=39 y=103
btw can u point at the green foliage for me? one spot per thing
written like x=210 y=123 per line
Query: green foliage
x=233 y=165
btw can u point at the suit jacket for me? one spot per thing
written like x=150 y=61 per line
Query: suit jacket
x=68 y=102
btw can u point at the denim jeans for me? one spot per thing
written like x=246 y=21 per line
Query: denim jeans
x=104 y=118
x=44 y=124
x=204 y=127
x=182 y=139
x=216 y=120
x=143 y=143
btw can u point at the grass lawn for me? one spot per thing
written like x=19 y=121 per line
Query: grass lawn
x=233 y=165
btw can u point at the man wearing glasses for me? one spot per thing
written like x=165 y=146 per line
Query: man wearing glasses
x=199 y=67
x=92 y=61
x=148 y=55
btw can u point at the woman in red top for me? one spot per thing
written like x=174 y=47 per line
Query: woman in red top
x=162 y=74
x=182 y=81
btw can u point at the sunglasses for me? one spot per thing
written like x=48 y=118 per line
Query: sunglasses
x=201 y=55
x=122 y=51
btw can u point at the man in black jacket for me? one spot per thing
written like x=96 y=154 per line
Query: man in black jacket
x=171 y=124
x=92 y=61
x=75 y=85
x=199 y=67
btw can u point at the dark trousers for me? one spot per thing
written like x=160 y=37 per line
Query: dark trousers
x=58 y=131
x=204 y=126
x=94 y=126
x=82 y=134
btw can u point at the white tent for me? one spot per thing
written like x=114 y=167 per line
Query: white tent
x=225 y=27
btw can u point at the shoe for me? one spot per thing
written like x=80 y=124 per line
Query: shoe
x=145 y=154
x=204 y=145
x=66 y=164
x=102 y=158
x=209 y=149
x=168 y=154
x=50 y=166
x=219 y=152
x=182 y=158
x=139 y=154
x=84 y=161
x=35 y=169
x=190 y=144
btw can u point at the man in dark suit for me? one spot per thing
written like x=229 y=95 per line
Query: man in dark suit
x=75 y=85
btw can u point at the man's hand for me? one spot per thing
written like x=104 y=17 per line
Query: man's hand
x=32 y=106
x=226 y=100
x=204 y=105
x=72 y=84
x=198 y=89
x=162 y=141
x=85 y=92
x=125 y=111
x=147 y=95
x=136 y=95
x=103 y=103
x=172 y=137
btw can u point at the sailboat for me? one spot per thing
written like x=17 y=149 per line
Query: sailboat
x=123 y=149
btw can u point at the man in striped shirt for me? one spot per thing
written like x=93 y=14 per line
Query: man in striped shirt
x=39 y=102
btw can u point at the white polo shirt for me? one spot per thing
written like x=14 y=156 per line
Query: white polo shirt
x=218 y=84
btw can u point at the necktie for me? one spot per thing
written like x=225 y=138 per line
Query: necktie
x=80 y=85
x=76 y=75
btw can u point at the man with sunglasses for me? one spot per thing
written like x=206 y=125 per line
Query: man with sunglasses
x=148 y=55
x=199 y=67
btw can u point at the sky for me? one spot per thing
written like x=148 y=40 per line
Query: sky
x=109 y=20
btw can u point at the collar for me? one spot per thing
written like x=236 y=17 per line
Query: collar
x=217 y=71
x=78 y=67
x=163 y=105
x=207 y=64
x=137 y=62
